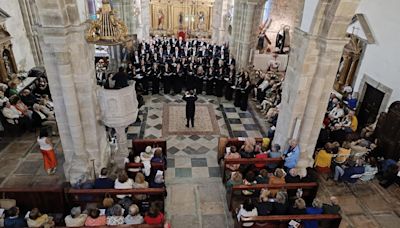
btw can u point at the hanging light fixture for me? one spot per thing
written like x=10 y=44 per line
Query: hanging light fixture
x=107 y=29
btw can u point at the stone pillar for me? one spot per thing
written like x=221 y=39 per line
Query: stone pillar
x=145 y=19
x=69 y=62
x=310 y=75
x=219 y=24
x=247 y=15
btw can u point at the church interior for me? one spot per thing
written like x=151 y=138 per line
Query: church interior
x=199 y=113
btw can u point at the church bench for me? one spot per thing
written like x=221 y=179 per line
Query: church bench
x=310 y=190
x=247 y=161
x=281 y=221
x=40 y=197
x=224 y=142
x=74 y=196
x=125 y=225
x=139 y=145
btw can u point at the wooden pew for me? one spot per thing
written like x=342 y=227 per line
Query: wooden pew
x=281 y=221
x=123 y=226
x=43 y=198
x=224 y=142
x=139 y=145
x=247 y=161
x=74 y=195
x=309 y=190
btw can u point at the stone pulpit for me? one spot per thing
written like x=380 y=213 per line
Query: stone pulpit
x=119 y=109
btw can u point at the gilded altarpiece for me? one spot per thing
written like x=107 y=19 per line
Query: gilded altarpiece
x=168 y=17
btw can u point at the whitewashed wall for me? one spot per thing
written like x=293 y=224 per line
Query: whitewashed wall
x=381 y=61
x=15 y=26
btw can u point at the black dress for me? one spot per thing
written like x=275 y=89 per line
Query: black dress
x=178 y=81
x=190 y=77
x=238 y=95
x=210 y=83
x=199 y=83
x=219 y=84
x=167 y=81
x=155 y=76
x=245 y=96
x=230 y=80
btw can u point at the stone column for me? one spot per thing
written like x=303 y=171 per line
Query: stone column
x=310 y=75
x=219 y=26
x=246 y=19
x=146 y=20
x=69 y=62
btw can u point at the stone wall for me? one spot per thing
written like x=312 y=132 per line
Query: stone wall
x=284 y=12
x=15 y=26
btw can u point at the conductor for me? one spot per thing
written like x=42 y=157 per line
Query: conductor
x=190 y=99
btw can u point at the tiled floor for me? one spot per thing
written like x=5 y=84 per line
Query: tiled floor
x=196 y=196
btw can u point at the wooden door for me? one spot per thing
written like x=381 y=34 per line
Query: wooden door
x=370 y=106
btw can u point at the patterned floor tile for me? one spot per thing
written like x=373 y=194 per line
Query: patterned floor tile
x=239 y=134
x=230 y=109
x=234 y=121
x=170 y=163
x=214 y=171
x=194 y=137
x=251 y=127
x=200 y=172
x=245 y=115
x=183 y=172
x=173 y=150
x=199 y=162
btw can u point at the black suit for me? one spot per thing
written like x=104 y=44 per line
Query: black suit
x=190 y=108
x=121 y=80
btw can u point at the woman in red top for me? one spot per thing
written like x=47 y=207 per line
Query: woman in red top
x=154 y=216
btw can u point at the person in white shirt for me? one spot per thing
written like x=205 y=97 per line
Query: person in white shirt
x=247 y=209
x=123 y=182
x=11 y=114
x=75 y=219
x=3 y=98
x=337 y=112
x=133 y=217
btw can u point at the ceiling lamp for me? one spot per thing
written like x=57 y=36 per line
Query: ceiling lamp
x=107 y=29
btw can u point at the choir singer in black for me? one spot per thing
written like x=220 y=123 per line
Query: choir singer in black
x=190 y=99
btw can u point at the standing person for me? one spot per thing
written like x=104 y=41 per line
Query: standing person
x=167 y=79
x=245 y=90
x=219 y=82
x=238 y=92
x=46 y=147
x=291 y=155
x=121 y=79
x=155 y=75
x=199 y=80
x=190 y=99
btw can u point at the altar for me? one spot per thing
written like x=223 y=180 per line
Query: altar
x=191 y=18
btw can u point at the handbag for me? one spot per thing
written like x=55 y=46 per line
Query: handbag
x=108 y=201
x=7 y=203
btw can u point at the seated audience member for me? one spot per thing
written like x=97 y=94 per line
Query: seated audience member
x=323 y=157
x=37 y=219
x=20 y=106
x=116 y=217
x=264 y=155
x=351 y=101
x=249 y=179
x=46 y=110
x=12 y=89
x=132 y=158
x=265 y=206
x=331 y=208
x=42 y=88
x=140 y=183
x=247 y=209
x=298 y=208
x=291 y=155
x=275 y=152
x=158 y=157
x=262 y=177
x=15 y=117
x=343 y=153
x=146 y=157
x=281 y=204
x=133 y=217
x=236 y=179
x=154 y=216
x=344 y=172
x=247 y=150
x=41 y=120
x=103 y=182
x=316 y=209
x=370 y=169
x=76 y=218
x=336 y=113
x=95 y=219
x=232 y=154
x=277 y=178
x=3 y=99
x=390 y=173
x=13 y=220
x=28 y=98
x=123 y=182
x=293 y=176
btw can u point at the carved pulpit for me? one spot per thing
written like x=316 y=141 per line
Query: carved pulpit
x=8 y=65
x=119 y=109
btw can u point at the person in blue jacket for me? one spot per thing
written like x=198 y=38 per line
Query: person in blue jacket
x=13 y=219
x=291 y=155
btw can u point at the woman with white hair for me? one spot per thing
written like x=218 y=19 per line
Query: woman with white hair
x=133 y=217
x=116 y=217
x=316 y=209
x=75 y=219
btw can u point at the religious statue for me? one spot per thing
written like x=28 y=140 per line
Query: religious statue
x=180 y=20
x=201 y=25
x=161 y=17
x=282 y=44
x=262 y=37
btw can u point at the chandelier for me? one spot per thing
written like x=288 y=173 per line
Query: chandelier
x=107 y=29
